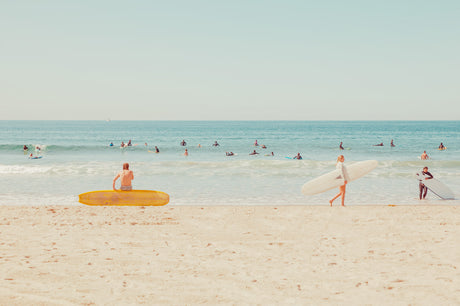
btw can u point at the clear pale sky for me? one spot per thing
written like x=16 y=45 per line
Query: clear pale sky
x=230 y=60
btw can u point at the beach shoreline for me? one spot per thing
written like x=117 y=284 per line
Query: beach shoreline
x=64 y=255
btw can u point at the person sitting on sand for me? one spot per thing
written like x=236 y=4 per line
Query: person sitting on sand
x=298 y=156
x=253 y=153
x=424 y=156
x=126 y=176
x=426 y=176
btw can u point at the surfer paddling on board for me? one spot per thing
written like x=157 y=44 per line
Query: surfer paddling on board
x=344 y=176
x=126 y=176
x=425 y=176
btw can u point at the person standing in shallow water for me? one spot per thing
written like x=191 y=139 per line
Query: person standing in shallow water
x=423 y=189
x=344 y=176
x=126 y=176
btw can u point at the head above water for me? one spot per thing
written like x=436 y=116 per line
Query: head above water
x=125 y=166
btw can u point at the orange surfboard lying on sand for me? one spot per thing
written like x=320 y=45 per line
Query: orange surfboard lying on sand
x=124 y=198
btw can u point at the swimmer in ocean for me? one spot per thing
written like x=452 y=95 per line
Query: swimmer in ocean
x=298 y=156
x=253 y=153
x=215 y=144
x=441 y=147
x=157 y=150
x=183 y=143
x=392 y=144
x=186 y=152
x=341 y=146
x=424 y=156
x=256 y=144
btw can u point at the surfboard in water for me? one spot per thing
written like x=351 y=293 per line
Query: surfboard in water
x=124 y=198
x=334 y=178
x=436 y=187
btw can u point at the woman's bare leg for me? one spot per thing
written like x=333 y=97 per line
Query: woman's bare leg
x=342 y=192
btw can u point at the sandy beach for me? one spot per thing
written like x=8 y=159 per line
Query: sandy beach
x=176 y=255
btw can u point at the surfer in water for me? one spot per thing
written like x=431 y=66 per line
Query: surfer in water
x=298 y=156
x=344 y=176
x=341 y=146
x=392 y=144
x=424 y=156
x=126 y=176
x=441 y=147
x=423 y=189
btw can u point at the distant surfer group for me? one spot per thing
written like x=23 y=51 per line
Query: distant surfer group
x=31 y=155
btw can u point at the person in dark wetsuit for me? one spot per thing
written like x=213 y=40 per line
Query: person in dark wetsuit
x=341 y=146
x=298 y=156
x=425 y=175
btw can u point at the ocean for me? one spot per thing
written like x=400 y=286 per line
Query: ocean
x=76 y=158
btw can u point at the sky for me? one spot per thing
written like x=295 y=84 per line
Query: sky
x=230 y=60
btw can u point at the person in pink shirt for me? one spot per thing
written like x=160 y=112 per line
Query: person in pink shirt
x=126 y=176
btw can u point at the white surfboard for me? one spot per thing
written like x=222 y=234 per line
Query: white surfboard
x=436 y=187
x=334 y=178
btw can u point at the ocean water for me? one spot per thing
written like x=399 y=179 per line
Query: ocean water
x=76 y=158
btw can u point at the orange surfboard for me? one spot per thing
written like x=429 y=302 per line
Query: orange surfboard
x=124 y=198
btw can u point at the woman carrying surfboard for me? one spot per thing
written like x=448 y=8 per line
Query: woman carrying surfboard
x=426 y=176
x=344 y=174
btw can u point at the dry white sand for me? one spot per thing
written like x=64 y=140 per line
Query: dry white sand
x=234 y=255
